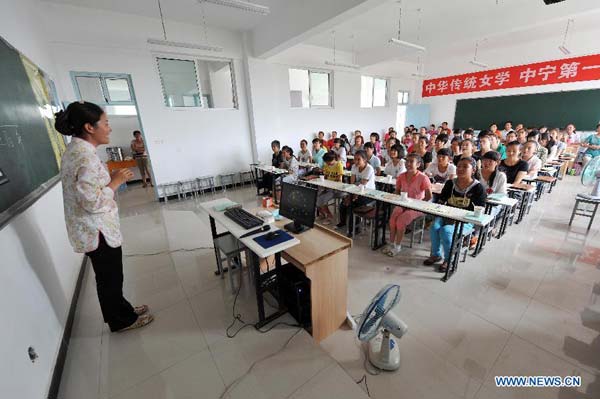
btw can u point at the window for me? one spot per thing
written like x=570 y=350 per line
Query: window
x=309 y=89
x=189 y=83
x=103 y=89
x=373 y=92
x=402 y=97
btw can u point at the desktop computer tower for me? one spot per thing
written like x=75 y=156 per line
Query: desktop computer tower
x=295 y=295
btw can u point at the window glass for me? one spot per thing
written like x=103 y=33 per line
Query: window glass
x=366 y=91
x=299 y=88
x=180 y=83
x=379 y=92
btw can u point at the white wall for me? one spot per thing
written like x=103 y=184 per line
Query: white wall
x=38 y=269
x=182 y=143
x=275 y=119
x=582 y=42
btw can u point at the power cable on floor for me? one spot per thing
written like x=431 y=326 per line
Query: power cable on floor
x=167 y=252
x=364 y=378
x=229 y=387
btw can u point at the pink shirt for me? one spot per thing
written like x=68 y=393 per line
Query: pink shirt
x=417 y=187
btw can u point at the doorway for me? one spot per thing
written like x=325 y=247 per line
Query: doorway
x=403 y=97
x=114 y=92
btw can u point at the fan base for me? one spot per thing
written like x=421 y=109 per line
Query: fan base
x=380 y=357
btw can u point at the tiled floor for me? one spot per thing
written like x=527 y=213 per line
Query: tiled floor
x=528 y=305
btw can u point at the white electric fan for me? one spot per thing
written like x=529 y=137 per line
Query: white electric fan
x=376 y=326
x=591 y=177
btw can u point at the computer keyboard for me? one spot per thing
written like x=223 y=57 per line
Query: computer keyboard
x=243 y=218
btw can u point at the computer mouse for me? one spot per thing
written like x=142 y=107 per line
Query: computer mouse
x=271 y=235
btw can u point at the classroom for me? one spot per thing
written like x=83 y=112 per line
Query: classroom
x=269 y=199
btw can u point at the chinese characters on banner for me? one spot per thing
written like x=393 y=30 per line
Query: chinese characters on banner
x=542 y=73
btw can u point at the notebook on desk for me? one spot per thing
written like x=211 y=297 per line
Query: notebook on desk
x=281 y=236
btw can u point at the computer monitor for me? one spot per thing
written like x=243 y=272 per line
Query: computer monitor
x=298 y=204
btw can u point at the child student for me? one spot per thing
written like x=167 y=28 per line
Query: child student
x=374 y=138
x=332 y=170
x=464 y=192
x=363 y=174
x=396 y=164
x=304 y=153
x=339 y=151
x=417 y=185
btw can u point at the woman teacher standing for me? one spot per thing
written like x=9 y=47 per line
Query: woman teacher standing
x=91 y=212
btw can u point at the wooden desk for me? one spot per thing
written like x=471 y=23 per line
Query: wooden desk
x=320 y=253
x=323 y=256
x=115 y=165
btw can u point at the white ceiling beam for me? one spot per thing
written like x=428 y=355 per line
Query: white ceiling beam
x=293 y=22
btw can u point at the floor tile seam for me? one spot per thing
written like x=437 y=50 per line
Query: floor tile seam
x=319 y=371
x=580 y=367
x=144 y=380
x=459 y=305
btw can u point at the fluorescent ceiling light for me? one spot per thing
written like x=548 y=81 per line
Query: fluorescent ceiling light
x=340 y=64
x=564 y=50
x=169 y=43
x=479 y=63
x=241 y=5
x=419 y=75
x=402 y=43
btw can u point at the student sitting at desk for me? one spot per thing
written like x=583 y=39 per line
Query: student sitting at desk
x=277 y=162
x=492 y=180
x=318 y=152
x=467 y=148
x=331 y=139
x=442 y=170
x=345 y=143
x=304 y=153
x=339 y=151
x=363 y=174
x=534 y=164
x=463 y=192
x=510 y=137
x=496 y=145
x=455 y=147
x=396 y=165
x=334 y=171
x=291 y=164
x=513 y=166
x=485 y=145
x=358 y=144
x=321 y=136
x=548 y=142
x=374 y=138
x=372 y=159
x=421 y=150
x=417 y=185
x=440 y=142
x=385 y=152
x=541 y=151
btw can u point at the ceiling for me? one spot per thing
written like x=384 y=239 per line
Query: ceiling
x=187 y=11
x=448 y=23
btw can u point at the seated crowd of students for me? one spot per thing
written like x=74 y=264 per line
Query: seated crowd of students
x=469 y=169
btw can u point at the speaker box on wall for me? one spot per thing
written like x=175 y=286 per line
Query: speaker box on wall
x=548 y=2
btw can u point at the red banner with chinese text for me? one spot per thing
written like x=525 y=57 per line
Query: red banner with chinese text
x=567 y=70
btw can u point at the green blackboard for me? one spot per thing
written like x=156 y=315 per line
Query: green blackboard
x=30 y=148
x=550 y=109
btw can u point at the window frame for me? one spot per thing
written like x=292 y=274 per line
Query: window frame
x=404 y=92
x=105 y=92
x=196 y=59
x=387 y=91
x=329 y=93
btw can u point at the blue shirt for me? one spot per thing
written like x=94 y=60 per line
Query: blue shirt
x=318 y=157
x=593 y=140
